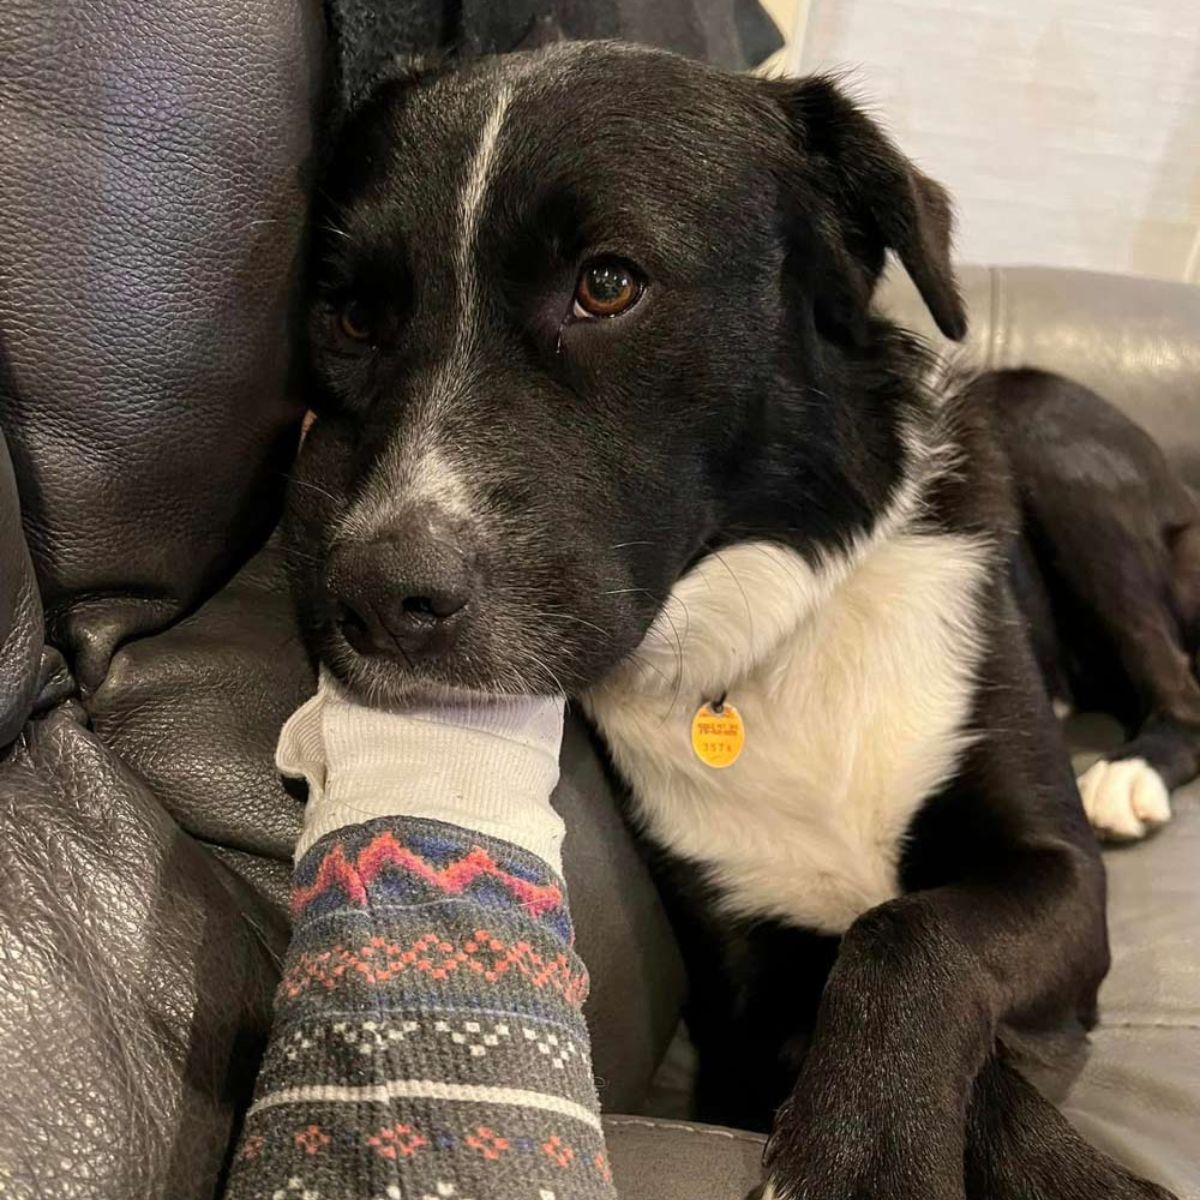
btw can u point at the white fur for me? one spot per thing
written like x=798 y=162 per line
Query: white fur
x=854 y=680
x=1124 y=800
x=435 y=482
x=474 y=192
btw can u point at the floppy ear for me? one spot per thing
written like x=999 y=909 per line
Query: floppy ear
x=876 y=200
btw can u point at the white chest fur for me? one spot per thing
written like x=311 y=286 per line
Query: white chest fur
x=854 y=681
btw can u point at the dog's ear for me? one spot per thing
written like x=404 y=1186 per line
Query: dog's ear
x=876 y=201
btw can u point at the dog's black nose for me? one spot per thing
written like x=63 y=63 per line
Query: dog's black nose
x=404 y=596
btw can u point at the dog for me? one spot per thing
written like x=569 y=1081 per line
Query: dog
x=1114 y=616
x=603 y=408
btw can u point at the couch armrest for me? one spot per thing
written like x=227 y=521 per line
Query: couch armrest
x=20 y=611
x=1135 y=341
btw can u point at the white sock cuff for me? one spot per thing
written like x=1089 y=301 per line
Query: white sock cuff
x=483 y=763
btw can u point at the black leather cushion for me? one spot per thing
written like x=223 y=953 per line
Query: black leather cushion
x=680 y=1160
x=368 y=34
x=1138 y=1093
x=196 y=711
x=20 y=612
x=621 y=930
x=136 y=986
x=151 y=202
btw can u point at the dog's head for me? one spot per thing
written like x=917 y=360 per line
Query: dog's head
x=576 y=317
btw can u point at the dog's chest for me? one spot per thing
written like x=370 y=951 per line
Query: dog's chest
x=853 y=717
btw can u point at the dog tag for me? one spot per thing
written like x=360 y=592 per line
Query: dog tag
x=718 y=734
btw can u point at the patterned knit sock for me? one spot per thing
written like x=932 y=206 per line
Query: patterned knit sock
x=428 y=1041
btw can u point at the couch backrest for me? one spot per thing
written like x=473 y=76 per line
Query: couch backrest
x=1134 y=341
x=152 y=200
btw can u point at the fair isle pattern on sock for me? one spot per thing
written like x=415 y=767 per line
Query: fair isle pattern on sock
x=428 y=1040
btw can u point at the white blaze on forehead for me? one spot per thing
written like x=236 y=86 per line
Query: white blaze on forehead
x=418 y=469
x=471 y=201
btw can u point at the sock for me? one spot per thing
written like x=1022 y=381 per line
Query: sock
x=487 y=763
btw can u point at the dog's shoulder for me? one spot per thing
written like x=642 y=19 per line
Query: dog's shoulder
x=973 y=491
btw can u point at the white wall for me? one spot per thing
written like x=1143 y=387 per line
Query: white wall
x=1068 y=130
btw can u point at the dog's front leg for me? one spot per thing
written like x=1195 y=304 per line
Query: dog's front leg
x=910 y=1015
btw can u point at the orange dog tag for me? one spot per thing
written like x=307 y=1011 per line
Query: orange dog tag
x=718 y=734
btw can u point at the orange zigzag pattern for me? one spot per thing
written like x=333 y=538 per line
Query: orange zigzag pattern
x=384 y=852
x=440 y=957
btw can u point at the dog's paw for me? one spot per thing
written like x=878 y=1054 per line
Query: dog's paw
x=1124 y=800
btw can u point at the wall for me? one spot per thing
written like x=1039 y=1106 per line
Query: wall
x=1068 y=130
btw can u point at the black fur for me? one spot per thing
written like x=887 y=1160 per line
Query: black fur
x=1115 y=613
x=750 y=392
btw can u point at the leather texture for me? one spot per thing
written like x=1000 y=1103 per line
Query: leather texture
x=197 y=709
x=621 y=931
x=136 y=986
x=682 y=1160
x=369 y=34
x=1138 y=1093
x=151 y=208
x=20 y=612
x=1135 y=341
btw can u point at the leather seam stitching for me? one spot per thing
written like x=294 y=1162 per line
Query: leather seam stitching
x=1190 y=1026
x=672 y=1126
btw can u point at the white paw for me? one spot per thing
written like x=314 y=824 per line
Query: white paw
x=1124 y=800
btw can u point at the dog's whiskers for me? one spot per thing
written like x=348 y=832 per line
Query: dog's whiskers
x=678 y=658
x=548 y=671
x=562 y=616
x=290 y=553
x=312 y=487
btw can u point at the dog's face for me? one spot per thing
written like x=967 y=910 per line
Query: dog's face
x=556 y=300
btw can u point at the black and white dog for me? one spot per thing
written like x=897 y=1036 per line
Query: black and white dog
x=1107 y=573
x=603 y=407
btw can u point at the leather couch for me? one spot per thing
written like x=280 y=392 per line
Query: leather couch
x=151 y=216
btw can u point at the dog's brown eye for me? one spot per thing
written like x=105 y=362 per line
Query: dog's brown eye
x=354 y=321
x=606 y=287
